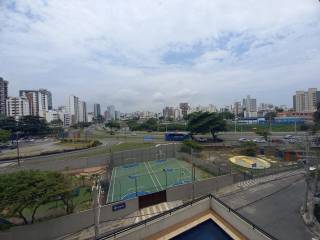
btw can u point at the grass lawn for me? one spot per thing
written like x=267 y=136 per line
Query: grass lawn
x=73 y=144
x=56 y=208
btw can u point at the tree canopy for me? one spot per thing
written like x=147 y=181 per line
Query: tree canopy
x=113 y=125
x=270 y=116
x=30 y=189
x=4 y=136
x=204 y=122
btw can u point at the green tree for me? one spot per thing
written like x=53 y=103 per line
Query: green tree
x=9 y=123
x=150 y=125
x=113 y=125
x=24 y=190
x=249 y=149
x=226 y=114
x=4 y=135
x=33 y=125
x=203 y=122
x=264 y=133
x=270 y=116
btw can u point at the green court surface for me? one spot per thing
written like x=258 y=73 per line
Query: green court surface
x=136 y=179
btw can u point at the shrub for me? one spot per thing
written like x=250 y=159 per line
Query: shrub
x=188 y=144
x=249 y=149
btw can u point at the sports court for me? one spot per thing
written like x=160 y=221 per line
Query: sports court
x=137 y=179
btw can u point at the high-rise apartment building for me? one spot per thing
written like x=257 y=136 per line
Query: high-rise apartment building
x=306 y=101
x=83 y=115
x=65 y=116
x=168 y=113
x=49 y=96
x=3 y=95
x=74 y=109
x=111 y=113
x=38 y=101
x=237 y=108
x=96 y=110
x=17 y=107
x=184 y=109
x=249 y=106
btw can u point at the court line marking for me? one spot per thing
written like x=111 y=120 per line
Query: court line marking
x=185 y=168
x=111 y=187
x=154 y=184
x=115 y=173
x=155 y=175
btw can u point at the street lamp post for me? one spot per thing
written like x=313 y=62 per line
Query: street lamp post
x=18 y=149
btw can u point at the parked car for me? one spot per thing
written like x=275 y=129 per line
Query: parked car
x=200 y=139
x=292 y=140
x=287 y=137
x=259 y=140
x=244 y=140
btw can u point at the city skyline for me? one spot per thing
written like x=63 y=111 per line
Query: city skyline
x=137 y=59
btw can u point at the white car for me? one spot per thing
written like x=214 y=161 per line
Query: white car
x=259 y=140
x=288 y=137
x=292 y=140
x=243 y=140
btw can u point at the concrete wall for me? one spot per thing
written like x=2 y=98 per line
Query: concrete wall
x=106 y=213
x=238 y=223
x=165 y=222
x=69 y=224
x=50 y=229
x=203 y=187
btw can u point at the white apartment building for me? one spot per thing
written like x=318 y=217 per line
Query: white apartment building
x=38 y=101
x=64 y=116
x=91 y=116
x=74 y=109
x=306 y=101
x=52 y=115
x=17 y=107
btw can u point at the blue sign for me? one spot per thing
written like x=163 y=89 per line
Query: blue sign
x=148 y=138
x=118 y=206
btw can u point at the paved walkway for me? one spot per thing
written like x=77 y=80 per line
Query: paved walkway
x=135 y=217
x=273 y=203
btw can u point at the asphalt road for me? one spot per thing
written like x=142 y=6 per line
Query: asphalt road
x=274 y=206
x=83 y=158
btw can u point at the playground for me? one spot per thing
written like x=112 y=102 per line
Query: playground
x=250 y=162
x=137 y=179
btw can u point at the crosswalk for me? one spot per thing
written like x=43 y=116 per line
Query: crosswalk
x=148 y=212
x=256 y=181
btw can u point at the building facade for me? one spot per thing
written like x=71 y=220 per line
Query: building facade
x=97 y=110
x=184 y=109
x=83 y=115
x=38 y=101
x=17 y=107
x=74 y=109
x=3 y=95
x=111 y=113
x=306 y=101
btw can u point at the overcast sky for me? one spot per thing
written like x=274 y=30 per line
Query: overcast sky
x=146 y=54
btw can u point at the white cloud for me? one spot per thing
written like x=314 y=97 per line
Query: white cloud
x=113 y=51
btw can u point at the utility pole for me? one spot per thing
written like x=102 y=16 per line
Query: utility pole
x=18 y=150
x=192 y=173
x=96 y=208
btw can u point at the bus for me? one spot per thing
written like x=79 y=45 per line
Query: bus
x=177 y=136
